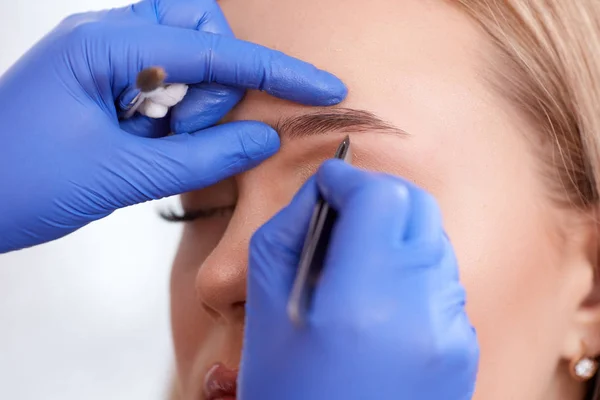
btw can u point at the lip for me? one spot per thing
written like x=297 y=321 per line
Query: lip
x=220 y=383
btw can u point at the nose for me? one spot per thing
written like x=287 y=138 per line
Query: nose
x=221 y=279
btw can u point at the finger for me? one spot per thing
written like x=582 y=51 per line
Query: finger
x=203 y=106
x=339 y=182
x=196 y=57
x=372 y=214
x=143 y=126
x=157 y=168
x=425 y=218
x=200 y=15
x=368 y=256
x=275 y=248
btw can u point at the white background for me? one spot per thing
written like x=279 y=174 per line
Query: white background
x=85 y=317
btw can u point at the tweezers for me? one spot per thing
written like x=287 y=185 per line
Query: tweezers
x=314 y=251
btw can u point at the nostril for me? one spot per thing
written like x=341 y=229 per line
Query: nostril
x=239 y=304
x=239 y=310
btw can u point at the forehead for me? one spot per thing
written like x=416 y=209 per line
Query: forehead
x=367 y=43
x=385 y=50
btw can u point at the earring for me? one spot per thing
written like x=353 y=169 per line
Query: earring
x=583 y=368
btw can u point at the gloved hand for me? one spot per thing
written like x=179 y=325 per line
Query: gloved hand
x=66 y=158
x=388 y=319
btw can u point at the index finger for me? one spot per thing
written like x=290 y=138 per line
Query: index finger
x=199 y=15
x=192 y=57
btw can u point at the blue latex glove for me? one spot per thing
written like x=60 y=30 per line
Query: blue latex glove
x=388 y=319
x=66 y=158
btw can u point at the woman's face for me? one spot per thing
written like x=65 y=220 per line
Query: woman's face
x=418 y=65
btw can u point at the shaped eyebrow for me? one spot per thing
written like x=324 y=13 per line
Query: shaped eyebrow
x=330 y=120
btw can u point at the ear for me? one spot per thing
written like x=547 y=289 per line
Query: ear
x=584 y=243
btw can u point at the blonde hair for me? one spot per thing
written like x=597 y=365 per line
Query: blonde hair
x=548 y=64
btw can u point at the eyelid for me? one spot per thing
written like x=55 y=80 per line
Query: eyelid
x=193 y=215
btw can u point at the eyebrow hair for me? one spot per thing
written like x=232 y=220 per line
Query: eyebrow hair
x=323 y=121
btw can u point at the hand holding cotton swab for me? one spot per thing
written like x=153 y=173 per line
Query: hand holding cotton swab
x=155 y=97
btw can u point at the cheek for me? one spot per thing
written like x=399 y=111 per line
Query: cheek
x=510 y=264
x=511 y=273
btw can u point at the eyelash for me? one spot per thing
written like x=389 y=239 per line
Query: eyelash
x=190 y=216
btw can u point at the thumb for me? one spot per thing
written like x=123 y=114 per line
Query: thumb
x=172 y=165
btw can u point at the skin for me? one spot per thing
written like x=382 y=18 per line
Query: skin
x=526 y=264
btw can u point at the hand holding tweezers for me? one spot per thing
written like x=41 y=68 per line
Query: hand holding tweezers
x=313 y=254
